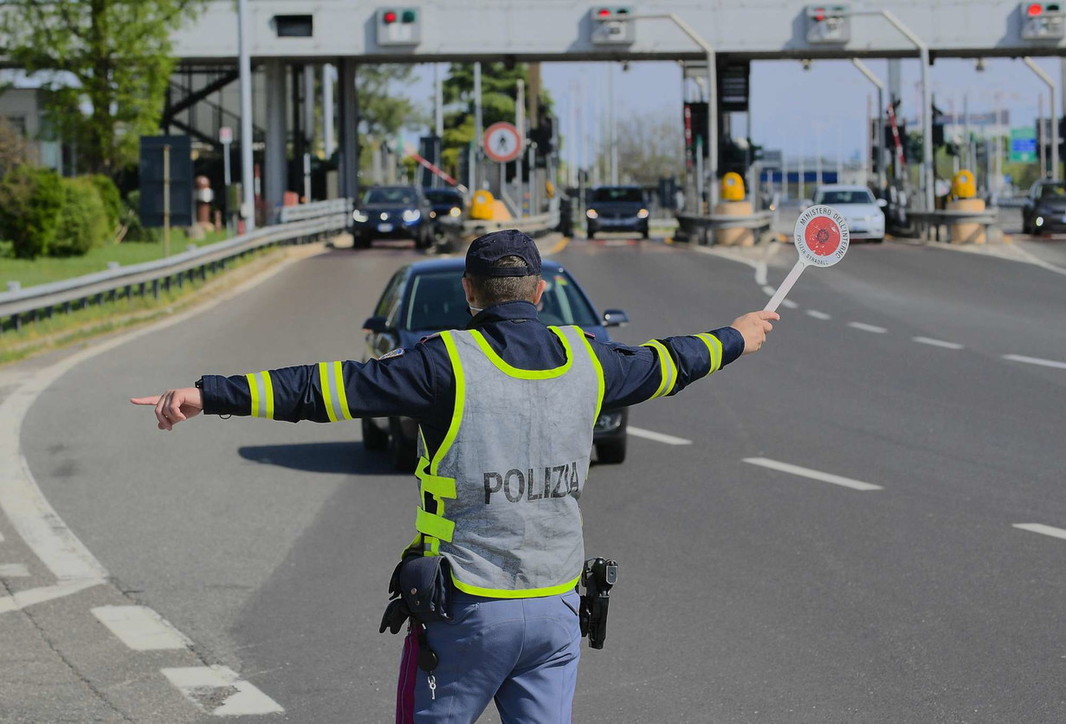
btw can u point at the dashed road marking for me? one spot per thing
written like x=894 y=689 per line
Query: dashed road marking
x=818 y=315
x=789 y=304
x=13 y=570
x=218 y=691
x=937 y=343
x=141 y=628
x=1035 y=361
x=657 y=436
x=1042 y=529
x=812 y=474
x=867 y=327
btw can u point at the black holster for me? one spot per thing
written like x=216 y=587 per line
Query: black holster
x=420 y=589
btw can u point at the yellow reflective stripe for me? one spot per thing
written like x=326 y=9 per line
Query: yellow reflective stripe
x=666 y=366
x=602 y=385
x=714 y=348
x=262 y=393
x=432 y=547
x=520 y=373
x=506 y=593
x=331 y=381
x=338 y=389
x=460 y=400
x=434 y=525
x=437 y=486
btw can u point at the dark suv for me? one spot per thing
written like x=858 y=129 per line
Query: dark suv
x=1044 y=210
x=616 y=208
x=392 y=212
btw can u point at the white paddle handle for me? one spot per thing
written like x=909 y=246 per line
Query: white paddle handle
x=779 y=295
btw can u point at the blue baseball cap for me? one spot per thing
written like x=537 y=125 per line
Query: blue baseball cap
x=486 y=250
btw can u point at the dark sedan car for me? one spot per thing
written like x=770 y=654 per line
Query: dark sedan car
x=447 y=206
x=616 y=208
x=427 y=297
x=392 y=212
x=1044 y=210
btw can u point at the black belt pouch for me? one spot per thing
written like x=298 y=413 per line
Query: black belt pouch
x=425 y=583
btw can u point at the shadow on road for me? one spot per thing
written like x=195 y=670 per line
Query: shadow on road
x=324 y=457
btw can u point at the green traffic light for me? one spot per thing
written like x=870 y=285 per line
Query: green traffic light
x=408 y=16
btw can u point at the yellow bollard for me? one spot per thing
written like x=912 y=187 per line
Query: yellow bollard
x=733 y=204
x=964 y=198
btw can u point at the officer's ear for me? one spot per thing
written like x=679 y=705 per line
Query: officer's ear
x=468 y=289
x=541 y=286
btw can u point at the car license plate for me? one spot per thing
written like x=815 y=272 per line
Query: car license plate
x=384 y=228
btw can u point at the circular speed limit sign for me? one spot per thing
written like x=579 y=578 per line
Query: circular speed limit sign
x=821 y=236
x=502 y=142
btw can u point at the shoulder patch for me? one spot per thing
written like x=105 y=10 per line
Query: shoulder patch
x=398 y=352
x=590 y=335
x=429 y=337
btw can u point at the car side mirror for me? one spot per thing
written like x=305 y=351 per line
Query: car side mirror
x=378 y=325
x=882 y=203
x=614 y=318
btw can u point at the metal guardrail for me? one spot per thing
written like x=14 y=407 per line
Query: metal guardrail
x=691 y=226
x=532 y=225
x=934 y=220
x=19 y=306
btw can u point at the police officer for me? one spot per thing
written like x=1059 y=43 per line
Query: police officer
x=506 y=409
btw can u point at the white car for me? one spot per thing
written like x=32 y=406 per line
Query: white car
x=865 y=214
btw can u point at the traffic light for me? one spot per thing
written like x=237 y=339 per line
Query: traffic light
x=1043 y=21
x=612 y=25
x=938 y=126
x=399 y=26
x=828 y=24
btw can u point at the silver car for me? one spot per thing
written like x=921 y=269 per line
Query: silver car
x=865 y=214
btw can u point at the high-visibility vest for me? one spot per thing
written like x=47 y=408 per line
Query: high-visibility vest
x=507 y=477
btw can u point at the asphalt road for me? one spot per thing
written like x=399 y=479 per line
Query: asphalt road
x=835 y=539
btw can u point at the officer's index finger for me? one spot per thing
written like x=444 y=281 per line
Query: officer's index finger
x=153 y=400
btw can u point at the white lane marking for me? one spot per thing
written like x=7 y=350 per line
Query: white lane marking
x=789 y=304
x=198 y=685
x=760 y=277
x=1035 y=361
x=13 y=570
x=818 y=315
x=141 y=628
x=937 y=343
x=1042 y=529
x=22 y=599
x=812 y=474
x=769 y=291
x=657 y=436
x=867 y=327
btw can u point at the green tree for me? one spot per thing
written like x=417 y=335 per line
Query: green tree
x=107 y=65
x=499 y=92
x=382 y=112
x=650 y=147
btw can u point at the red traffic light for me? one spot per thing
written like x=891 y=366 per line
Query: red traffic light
x=1034 y=9
x=818 y=14
x=603 y=12
x=388 y=17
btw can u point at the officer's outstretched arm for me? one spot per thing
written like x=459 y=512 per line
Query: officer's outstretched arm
x=753 y=327
x=174 y=406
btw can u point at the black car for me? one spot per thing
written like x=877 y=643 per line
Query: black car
x=392 y=212
x=616 y=208
x=427 y=296
x=447 y=206
x=1044 y=210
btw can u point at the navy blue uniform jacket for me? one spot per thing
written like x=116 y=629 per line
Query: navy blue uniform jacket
x=418 y=382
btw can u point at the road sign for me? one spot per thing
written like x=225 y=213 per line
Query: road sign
x=502 y=142
x=1023 y=145
x=821 y=238
x=225 y=135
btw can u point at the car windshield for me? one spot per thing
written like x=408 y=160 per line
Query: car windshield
x=444 y=196
x=618 y=195
x=1052 y=191
x=389 y=196
x=849 y=196
x=436 y=301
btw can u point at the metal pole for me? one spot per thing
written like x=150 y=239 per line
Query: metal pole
x=166 y=200
x=245 y=66
x=520 y=124
x=879 y=143
x=712 y=97
x=1053 y=153
x=478 y=130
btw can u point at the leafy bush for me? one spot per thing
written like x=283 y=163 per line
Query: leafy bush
x=112 y=199
x=82 y=220
x=30 y=202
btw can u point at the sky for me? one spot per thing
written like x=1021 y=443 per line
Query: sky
x=822 y=109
